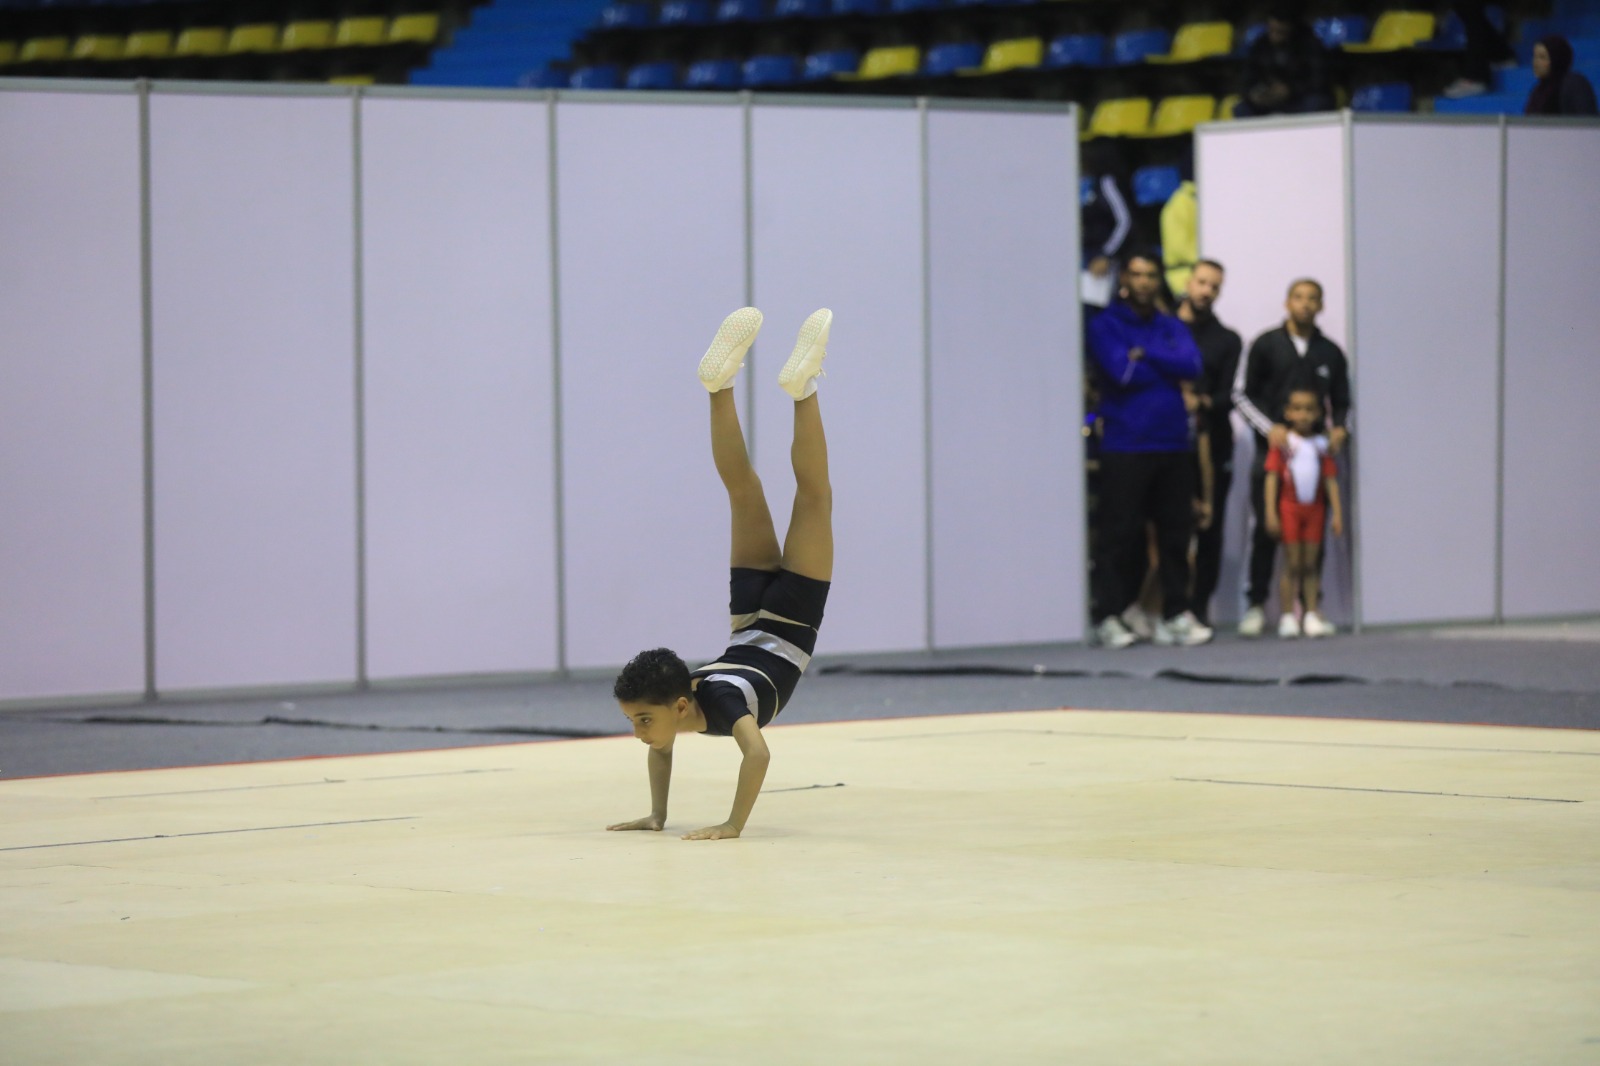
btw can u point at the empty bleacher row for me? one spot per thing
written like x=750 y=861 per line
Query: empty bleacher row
x=352 y=41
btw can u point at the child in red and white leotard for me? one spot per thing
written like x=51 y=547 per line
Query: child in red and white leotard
x=1302 y=493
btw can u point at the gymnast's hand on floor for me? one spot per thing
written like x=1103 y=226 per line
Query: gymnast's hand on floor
x=649 y=821
x=725 y=831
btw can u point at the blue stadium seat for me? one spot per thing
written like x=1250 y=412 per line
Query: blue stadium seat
x=857 y=7
x=741 y=11
x=714 y=74
x=1085 y=190
x=1155 y=184
x=1336 y=30
x=1482 y=104
x=799 y=9
x=625 y=14
x=658 y=74
x=1516 y=80
x=1252 y=33
x=1387 y=96
x=684 y=13
x=770 y=70
x=543 y=76
x=1130 y=47
x=1449 y=36
x=943 y=59
x=821 y=65
x=900 y=7
x=596 y=76
x=1076 y=50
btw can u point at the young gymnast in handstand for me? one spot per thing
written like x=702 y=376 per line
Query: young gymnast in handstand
x=777 y=594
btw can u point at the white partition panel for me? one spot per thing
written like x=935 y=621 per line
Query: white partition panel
x=459 y=445
x=71 y=372
x=1427 y=276
x=253 y=302
x=1007 y=456
x=1552 y=387
x=651 y=257
x=838 y=224
x=1272 y=209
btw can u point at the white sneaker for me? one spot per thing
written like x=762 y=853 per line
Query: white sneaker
x=1111 y=633
x=1253 y=622
x=1138 y=622
x=1463 y=87
x=1184 y=630
x=1288 y=626
x=799 y=375
x=723 y=359
x=1315 y=626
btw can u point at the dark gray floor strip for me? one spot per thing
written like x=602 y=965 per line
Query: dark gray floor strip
x=208 y=833
x=1391 y=791
x=801 y=788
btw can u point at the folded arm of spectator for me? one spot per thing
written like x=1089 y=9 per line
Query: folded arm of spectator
x=1174 y=354
x=1110 y=347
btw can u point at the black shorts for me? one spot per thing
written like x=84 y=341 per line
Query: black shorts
x=774 y=615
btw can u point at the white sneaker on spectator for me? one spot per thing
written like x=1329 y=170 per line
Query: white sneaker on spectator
x=1138 y=622
x=1111 y=633
x=1253 y=622
x=799 y=375
x=1184 y=630
x=1288 y=626
x=1315 y=626
x=723 y=359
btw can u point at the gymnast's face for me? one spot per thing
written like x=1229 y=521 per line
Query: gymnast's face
x=654 y=724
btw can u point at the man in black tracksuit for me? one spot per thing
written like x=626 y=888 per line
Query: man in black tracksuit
x=1294 y=356
x=1219 y=355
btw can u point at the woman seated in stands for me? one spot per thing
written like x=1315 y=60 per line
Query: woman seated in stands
x=1560 y=90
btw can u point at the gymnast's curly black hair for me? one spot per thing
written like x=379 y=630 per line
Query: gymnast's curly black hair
x=656 y=676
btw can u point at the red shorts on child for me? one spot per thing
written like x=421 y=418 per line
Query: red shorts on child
x=1302 y=522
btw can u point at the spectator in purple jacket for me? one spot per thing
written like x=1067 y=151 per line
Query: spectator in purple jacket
x=1140 y=355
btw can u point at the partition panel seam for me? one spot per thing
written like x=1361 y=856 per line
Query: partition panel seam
x=1500 y=385
x=1350 y=340
x=748 y=384
x=927 y=371
x=558 y=485
x=147 y=357
x=358 y=344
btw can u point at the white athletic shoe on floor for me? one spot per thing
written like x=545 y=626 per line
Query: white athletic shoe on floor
x=1315 y=626
x=1138 y=622
x=722 y=360
x=1185 y=631
x=1288 y=626
x=1111 y=633
x=799 y=375
x=1253 y=622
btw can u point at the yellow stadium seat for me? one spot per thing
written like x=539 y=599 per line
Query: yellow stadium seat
x=148 y=44
x=360 y=31
x=253 y=37
x=1396 y=31
x=1229 y=102
x=353 y=79
x=43 y=49
x=1118 y=118
x=887 y=62
x=308 y=33
x=1198 y=40
x=8 y=52
x=201 y=41
x=421 y=28
x=1016 y=54
x=1181 y=114
x=98 y=46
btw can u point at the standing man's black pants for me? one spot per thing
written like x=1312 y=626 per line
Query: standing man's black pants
x=1136 y=487
x=1208 y=544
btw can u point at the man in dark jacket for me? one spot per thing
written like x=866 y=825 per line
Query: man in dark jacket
x=1140 y=356
x=1285 y=69
x=1294 y=356
x=1219 y=354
